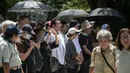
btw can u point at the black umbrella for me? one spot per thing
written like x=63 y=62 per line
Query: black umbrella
x=105 y=15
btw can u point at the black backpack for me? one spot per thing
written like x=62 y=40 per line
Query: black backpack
x=34 y=60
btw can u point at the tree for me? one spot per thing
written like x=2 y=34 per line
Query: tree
x=10 y=3
x=76 y=4
x=56 y=4
x=121 y=5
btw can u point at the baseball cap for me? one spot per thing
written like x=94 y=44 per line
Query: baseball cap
x=12 y=29
x=28 y=29
x=73 y=30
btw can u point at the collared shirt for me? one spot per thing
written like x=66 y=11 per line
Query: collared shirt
x=1 y=39
x=60 y=51
x=98 y=62
x=10 y=54
x=122 y=61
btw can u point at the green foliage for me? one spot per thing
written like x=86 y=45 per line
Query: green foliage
x=76 y=4
x=61 y=5
x=56 y=4
x=10 y=3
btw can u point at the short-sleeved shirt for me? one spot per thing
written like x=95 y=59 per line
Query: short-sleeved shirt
x=10 y=54
x=98 y=62
x=85 y=40
x=76 y=43
x=122 y=61
x=70 y=54
x=58 y=52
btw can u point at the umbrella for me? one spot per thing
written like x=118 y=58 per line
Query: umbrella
x=105 y=14
x=30 y=6
x=73 y=13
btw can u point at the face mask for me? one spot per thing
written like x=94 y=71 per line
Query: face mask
x=28 y=36
x=84 y=34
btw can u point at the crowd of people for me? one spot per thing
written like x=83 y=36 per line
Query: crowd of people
x=62 y=47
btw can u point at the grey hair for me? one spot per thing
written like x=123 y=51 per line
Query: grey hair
x=7 y=22
x=104 y=34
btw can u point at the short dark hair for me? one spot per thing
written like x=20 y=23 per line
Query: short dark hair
x=38 y=29
x=22 y=17
x=118 y=42
x=73 y=23
x=53 y=21
x=63 y=23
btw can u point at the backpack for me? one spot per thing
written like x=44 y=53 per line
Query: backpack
x=54 y=64
x=34 y=60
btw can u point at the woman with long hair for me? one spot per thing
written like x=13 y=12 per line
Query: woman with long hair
x=123 y=52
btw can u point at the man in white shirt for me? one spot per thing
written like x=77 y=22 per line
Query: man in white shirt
x=60 y=51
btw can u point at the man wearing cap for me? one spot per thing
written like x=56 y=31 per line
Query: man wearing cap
x=72 y=57
x=28 y=29
x=4 y=25
x=86 y=45
x=26 y=46
x=10 y=56
x=75 y=24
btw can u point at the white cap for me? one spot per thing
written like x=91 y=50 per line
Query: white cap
x=73 y=30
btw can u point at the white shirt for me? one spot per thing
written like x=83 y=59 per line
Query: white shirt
x=77 y=45
x=123 y=61
x=60 y=51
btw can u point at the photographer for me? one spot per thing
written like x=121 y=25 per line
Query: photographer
x=25 y=45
